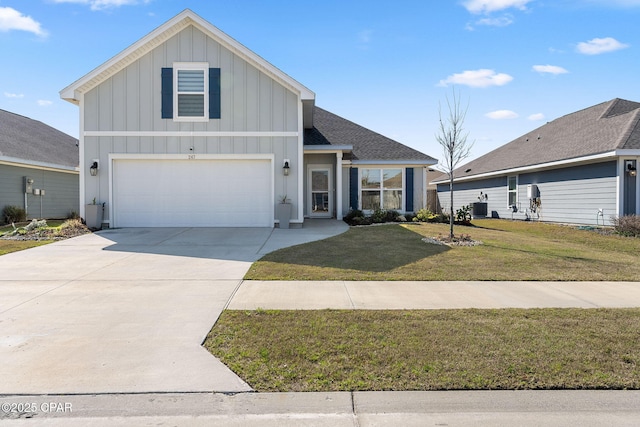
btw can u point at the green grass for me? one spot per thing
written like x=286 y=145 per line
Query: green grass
x=8 y=246
x=512 y=250
x=431 y=350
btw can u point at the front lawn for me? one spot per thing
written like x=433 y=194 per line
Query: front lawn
x=332 y=350
x=511 y=250
x=8 y=246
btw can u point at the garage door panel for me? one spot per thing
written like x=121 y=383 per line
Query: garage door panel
x=198 y=193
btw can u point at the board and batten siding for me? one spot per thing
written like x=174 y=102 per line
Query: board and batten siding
x=61 y=191
x=131 y=101
x=571 y=195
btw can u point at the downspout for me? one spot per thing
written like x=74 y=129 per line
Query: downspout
x=81 y=160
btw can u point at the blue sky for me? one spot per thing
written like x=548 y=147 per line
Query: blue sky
x=385 y=65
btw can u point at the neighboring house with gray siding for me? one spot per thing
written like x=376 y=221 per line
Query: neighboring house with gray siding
x=38 y=168
x=580 y=168
x=188 y=127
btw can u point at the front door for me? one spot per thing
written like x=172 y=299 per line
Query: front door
x=320 y=200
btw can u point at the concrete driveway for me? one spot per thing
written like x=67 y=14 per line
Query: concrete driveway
x=126 y=310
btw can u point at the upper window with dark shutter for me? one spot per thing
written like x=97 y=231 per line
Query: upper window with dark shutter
x=190 y=88
x=191 y=92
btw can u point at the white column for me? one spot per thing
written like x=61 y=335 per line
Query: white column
x=339 y=185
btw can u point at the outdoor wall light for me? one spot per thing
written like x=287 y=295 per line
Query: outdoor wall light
x=631 y=169
x=93 y=169
x=285 y=168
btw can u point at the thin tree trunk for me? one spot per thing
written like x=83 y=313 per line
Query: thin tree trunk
x=451 y=207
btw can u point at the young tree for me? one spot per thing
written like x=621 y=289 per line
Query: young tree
x=453 y=139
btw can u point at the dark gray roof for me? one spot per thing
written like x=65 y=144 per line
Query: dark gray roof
x=329 y=129
x=33 y=141
x=599 y=129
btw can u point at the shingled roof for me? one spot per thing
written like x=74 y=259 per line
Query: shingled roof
x=32 y=141
x=603 y=128
x=330 y=129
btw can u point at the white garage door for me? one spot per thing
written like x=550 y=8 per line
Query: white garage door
x=192 y=193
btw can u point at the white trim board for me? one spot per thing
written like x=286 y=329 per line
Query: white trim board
x=250 y=134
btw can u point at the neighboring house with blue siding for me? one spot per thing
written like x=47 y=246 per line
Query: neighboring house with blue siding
x=38 y=168
x=188 y=127
x=580 y=169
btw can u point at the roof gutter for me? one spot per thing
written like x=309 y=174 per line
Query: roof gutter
x=395 y=162
x=14 y=161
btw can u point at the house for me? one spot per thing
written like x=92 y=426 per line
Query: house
x=188 y=127
x=580 y=169
x=38 y=168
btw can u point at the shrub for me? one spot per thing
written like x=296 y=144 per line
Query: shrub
x=425 y=215
x=353 y=213
x=356 y=217
x=627 y=225
x=391 y=216
x=463 y=215
x=378 y=216
x=13 y=214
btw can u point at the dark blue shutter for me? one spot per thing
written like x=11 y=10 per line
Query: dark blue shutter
x=353 y=188
x=409 y=193
x=167 y=93
x=214 y=93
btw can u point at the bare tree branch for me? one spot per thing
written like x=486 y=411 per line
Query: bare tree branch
x=453 y=139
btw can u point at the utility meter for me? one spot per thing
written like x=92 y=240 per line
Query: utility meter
x=28 y=184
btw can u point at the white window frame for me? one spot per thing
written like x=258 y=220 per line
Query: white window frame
x=514 y=191
x=200 y=66
x=381 y=188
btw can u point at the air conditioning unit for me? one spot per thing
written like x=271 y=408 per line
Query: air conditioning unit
x=479 y=210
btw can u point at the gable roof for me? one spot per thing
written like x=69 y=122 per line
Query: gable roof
x=366 y=145
x=600 y=129
x=161 y=34
x=24 y=140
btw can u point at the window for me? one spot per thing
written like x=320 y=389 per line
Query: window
x=191 y=92
x=512 y=190
x=191 y=87
x=381 y=189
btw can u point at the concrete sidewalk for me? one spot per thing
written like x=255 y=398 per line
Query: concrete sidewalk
x=313 y=295
x=348 y=409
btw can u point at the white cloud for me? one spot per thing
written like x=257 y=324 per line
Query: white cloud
x=477 y=78
x=597 y=46
x=11 y=19
x=44 y=103
x=488 y=6
x=550 y=69
x=13 y=95
x=501 y=21
x=536 y=117
x=502 y=115
x=104 y=4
